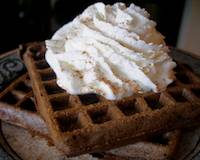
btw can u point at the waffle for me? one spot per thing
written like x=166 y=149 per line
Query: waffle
x=18 y=108
x=88 y=123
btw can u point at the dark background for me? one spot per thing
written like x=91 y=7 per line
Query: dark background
x=32 y=20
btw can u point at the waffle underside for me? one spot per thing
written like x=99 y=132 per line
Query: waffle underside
x=87 y=123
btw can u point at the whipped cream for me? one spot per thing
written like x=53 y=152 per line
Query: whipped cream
x=111 y=50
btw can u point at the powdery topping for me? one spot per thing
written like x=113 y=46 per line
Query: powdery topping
x=114 y=51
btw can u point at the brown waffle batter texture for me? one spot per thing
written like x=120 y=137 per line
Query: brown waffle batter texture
x=88 y=123
x=17 y=106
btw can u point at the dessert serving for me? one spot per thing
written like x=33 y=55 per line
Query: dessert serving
x=88 y=123
x=97 y=104
x=104 y=84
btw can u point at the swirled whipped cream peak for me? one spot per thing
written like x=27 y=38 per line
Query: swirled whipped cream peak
x=111 y=50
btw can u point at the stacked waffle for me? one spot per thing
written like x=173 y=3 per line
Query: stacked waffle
x=90 y=123
x=17 y=107
x=115 y=53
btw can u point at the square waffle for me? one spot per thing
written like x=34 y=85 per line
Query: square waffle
x=87 y=123
x=17 y=106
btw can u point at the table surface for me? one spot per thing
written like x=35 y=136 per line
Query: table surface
x=12 y=67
